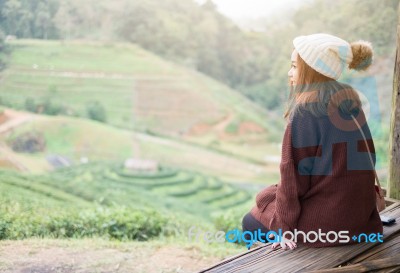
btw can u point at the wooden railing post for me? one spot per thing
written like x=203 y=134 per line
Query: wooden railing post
x=394 y=143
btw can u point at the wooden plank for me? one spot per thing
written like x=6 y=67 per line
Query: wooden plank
x=381 y=251
x=263 y=259
x=367 y=266
x=394 y=142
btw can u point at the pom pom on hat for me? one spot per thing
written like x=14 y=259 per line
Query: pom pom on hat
x=362 y=55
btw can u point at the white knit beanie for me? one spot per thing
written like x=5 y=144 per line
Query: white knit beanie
x=329 y=55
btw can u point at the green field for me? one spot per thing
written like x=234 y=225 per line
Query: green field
x=76 y=137
x=137 y=90
x=106 y=200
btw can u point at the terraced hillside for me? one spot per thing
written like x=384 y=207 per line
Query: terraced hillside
x=45 y=205
x=137 y=90
x=169 y=188
x=75 y=138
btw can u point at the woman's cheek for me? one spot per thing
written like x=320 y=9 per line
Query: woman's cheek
x=294 y=78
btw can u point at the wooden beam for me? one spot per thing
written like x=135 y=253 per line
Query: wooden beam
x=367 y=266
x=394 y=142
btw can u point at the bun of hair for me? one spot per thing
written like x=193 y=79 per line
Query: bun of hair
x=362 y=55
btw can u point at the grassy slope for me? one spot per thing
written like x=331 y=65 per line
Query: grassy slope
x=137 y=87
x=32 y=209
x=75 y=138
x=31 y=203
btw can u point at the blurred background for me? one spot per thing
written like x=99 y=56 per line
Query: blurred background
x=125 y=122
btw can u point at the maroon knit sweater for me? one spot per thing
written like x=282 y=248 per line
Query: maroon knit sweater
x=326 y=182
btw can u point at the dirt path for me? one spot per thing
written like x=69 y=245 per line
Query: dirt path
x=14 y=119
x=220 y=126
x=94 y=74
x=92 y=255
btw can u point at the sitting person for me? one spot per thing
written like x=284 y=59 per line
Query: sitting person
x=327 y=179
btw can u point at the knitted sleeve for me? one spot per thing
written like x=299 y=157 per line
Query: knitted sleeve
x=299 y=149
x=266 y=196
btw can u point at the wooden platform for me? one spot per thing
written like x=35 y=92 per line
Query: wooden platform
x=362 y=257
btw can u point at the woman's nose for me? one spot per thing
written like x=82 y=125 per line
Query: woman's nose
x=289 y=73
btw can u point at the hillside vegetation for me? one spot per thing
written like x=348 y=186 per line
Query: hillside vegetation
x=76 y=138
x=128 y=87
x=256 y=63
x=106 y=200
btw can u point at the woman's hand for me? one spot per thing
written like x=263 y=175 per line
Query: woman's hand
x=285 y=243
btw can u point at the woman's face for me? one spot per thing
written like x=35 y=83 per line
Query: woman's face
x=293 y=73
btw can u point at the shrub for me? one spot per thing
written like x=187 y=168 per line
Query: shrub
x=51 y=108
x=96 y=111
x=117 y=223
x=30 y=105
x=29 y=142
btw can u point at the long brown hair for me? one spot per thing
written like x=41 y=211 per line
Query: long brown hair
x=315 y=92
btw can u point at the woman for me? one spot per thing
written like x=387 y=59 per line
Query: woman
x=327 y=181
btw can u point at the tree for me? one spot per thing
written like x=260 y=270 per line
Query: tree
x=394 y=143
x=96 y=111
x=42 y=21
x=64 y=19
x=10 y=13
x=30 y=105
